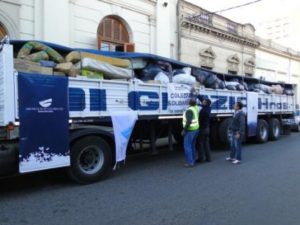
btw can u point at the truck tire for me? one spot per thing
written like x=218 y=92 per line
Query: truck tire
x=178 y=137
x=297 y=128
x=214 y=135
x=224 y=131
x=286 y=129
x=262 y=132
x=91 y=160
x=274 y=129
x=177 y=129
x=9 y=161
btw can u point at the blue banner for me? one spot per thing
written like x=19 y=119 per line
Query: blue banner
x=44 y=122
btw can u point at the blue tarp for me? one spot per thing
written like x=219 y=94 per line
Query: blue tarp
x=123 y=55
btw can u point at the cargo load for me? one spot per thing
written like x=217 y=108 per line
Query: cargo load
x=109 y=71
x=42 y=52
x=77 y=56
x=27 y=66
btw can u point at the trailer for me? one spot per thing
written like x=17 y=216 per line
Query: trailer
x=49 y=122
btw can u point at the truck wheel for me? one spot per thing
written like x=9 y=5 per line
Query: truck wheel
x=9 y=161
x=274 y=129
x=91 y=160
x=224 y=131
x=178 y=138
x=297 y=128
x=177 y=129
x=286 y=129
x=214 y=135
x=262 y=132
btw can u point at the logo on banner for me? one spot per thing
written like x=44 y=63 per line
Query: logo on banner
x=126 y=133
x=43 y=148
x=123 y=125
x=45 y=107
x=46 y=103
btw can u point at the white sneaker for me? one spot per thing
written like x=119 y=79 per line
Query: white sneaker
x=230 y=159
x=236 y=162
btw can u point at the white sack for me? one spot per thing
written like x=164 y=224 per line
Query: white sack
x=162 y=77
x=184 y=79
x=187 y=70
x=110 y=71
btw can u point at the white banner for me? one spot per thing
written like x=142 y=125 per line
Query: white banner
x=178 y=97
x=252 y=112
x=123 y=124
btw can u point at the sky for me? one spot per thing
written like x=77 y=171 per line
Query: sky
x=255 y=13
x=262 y=11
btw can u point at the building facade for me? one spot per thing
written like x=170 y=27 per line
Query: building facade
x=171 y=28
x=215 y=42
x=275 y=62
x=282 y=29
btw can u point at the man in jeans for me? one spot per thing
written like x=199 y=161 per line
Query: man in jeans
x=190 y=124
x=237 y=131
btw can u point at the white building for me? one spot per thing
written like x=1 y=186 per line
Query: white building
x=139 y=25
x=283 y=29
x=275 y=62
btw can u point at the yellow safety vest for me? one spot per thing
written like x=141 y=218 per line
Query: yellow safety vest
x=195 y=122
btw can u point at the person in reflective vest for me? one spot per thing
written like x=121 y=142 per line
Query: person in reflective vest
x=190 y=124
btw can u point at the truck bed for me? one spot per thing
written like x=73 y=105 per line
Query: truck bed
x=92 y=98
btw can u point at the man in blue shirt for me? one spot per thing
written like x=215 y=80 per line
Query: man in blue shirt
x=237 y=130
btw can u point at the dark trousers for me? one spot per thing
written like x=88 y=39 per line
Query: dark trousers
x=203 y=145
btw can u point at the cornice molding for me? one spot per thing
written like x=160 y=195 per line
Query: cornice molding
x=13 y=2
x=219 y=33
x=125 y=5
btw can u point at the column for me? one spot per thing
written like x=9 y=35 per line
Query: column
x=163 y=28
x=56 y=21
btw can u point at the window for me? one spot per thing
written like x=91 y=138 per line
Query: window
x=233 y=64
x=232 y=27
x=231 y=72
x=207 y=56
x=207 y=68
x=113 y=35
x=203 y=17
x=249 y=66
x=3 y=31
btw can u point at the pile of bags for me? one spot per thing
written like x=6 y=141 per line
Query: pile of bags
x=262 y=88
x=207 y=79
x=162 y=73
x=184 y=76
x=36 y=57
x=39 y=58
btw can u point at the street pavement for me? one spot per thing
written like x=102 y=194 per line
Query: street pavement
x=264 y=189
